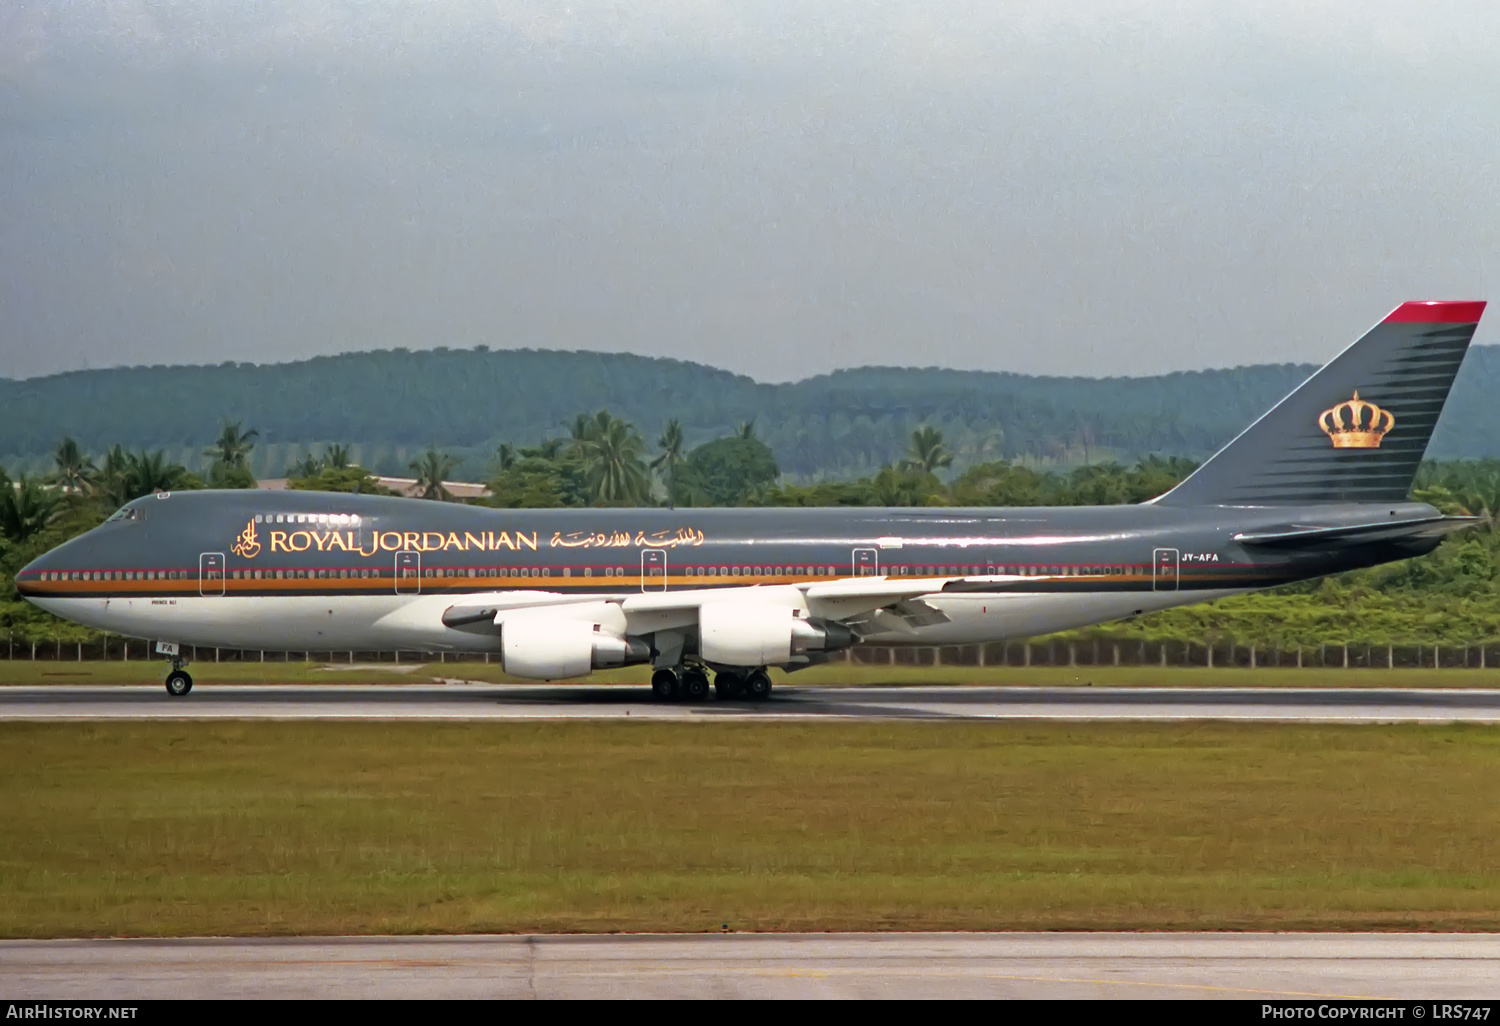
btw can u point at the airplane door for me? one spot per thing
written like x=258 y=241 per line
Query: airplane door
x=1164 y=570
x=211 y=573
x=866 y=562
x=653 y=569
x=408 y=573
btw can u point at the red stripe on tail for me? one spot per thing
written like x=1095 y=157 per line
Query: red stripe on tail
x=1465 y=311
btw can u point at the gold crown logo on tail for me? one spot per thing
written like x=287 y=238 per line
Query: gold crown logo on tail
x=247 y=545
x=1356 y=424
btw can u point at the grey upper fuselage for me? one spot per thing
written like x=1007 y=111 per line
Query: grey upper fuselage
x=303 y=543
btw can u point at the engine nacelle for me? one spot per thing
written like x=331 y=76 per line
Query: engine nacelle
x=554 y=648
x=762 y=634
x=821 y=636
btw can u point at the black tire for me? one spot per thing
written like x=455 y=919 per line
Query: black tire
x=178 y=683
x=664 y=685
x=758 y=686
x=695 y=685
x=729 y=686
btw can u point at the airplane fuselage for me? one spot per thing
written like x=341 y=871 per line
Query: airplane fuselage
x=329 y=571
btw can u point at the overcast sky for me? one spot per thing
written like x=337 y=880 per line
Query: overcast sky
x=779 y=188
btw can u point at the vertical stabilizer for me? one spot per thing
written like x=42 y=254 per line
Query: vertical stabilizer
x=1353 y=432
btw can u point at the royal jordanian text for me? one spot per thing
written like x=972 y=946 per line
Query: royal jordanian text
x=248 y=545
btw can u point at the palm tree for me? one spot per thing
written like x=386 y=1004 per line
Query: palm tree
x=613 y=468
x=112 y=474
x=550 y=448
x=431 y=470
x=308 y=466
x=233 y=446
x=148 y=473
x=336 y=456
x=130 y=475
x=75 y=472
x=585 y=428
x=26 y=507
x=927 y=454
x=672 y=455
x=506 y=456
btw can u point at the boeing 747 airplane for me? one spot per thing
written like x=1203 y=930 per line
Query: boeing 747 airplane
x=1316 y=486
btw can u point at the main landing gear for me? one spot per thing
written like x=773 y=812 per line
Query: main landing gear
x=687 y=685
x=691 y=685
x=754 y=685
x=664 y=685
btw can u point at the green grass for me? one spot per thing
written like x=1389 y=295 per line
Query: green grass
x=24 y=672
x=287 y=828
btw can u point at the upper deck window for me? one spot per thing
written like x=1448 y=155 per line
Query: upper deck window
x=125 y=513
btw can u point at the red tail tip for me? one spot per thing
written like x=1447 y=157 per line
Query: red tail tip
x=1462 y=311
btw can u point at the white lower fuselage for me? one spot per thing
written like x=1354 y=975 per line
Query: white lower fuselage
x=402 y=622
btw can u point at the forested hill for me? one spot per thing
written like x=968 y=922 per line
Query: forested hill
x=387 y=405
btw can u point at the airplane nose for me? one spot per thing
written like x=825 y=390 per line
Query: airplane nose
x=30 y=575
x=32 y=578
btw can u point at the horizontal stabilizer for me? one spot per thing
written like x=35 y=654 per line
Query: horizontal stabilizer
x=1297 y=536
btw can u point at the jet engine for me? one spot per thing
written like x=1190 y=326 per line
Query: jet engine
x=760 y=634
x=552 y=648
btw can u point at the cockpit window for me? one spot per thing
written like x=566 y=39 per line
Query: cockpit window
x=125 y=513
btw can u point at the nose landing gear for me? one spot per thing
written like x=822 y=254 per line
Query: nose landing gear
x=178 y=681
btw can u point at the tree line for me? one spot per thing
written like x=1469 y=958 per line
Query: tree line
x=601 y=459
x=389 y=405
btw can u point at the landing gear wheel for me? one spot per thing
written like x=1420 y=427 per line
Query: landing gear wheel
x=695 y=685
x=664 y=685
x=758 y=686
x=729 y=686
x=178 y=683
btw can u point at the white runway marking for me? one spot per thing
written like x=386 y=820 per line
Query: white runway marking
x=462 y=701
x=1018 y=965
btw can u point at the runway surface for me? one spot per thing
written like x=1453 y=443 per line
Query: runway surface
x=1019 y=965
x=467 y=701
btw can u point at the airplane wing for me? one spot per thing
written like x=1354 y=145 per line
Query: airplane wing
x=850 y=600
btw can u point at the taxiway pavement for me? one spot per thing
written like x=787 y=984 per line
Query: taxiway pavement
x=466 y=701
x=1017 y=965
